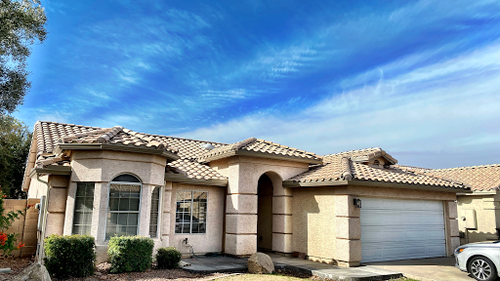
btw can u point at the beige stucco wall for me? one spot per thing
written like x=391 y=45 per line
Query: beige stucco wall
x=243 y=174
x=314 y=222
x=487 y=208
x=25 y=226
x=327 y=227
x=209 y=242
x=36 y=189
x=101 y=167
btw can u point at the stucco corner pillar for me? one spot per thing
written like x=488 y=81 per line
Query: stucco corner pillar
x=56 y=208
x=282 y=223
x=165 y=218
x=145 y=213
x=241 y=224
x=347 y=231
x=453 y=230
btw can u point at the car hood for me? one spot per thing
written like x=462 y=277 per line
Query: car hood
x=489 y=244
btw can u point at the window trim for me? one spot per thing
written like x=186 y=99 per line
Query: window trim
x=107 y=203
x=191 y=222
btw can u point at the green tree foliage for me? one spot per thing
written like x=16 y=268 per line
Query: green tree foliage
x=22 y=23
x=15 y=140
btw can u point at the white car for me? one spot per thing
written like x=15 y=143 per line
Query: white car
x=481 y=260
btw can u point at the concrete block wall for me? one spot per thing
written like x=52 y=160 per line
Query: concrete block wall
x=25 y=226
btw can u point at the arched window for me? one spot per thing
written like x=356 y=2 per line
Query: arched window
x=124 y=205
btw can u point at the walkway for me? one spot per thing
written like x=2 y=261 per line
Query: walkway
x=230 y=264
x=438 y=269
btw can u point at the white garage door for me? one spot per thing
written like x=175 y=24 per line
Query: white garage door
x=401 y=229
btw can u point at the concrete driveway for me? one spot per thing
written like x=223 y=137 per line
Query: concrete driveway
x=437 y=269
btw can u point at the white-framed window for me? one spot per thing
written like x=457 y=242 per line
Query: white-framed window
x=123 y=206
x=191 y=212
x=84 y=208
x=155 y=211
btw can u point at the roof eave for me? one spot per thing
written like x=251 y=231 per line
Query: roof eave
x=51 y=170
x=218 y=156
x=409 y=186
x=480 y=192
x=115 y=147
x=180 y=178
x=292 y=184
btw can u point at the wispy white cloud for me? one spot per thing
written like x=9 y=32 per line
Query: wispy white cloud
x=436 y=108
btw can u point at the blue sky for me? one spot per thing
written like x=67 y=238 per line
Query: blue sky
x=421 y=79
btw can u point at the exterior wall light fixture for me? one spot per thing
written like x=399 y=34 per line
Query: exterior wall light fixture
x=357 y=203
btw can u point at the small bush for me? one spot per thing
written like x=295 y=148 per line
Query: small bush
x=130 y=253
x=70 y=256
x=168 y=258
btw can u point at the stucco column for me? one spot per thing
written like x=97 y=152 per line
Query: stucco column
x=165 y=219
x=99 y=221
x=145 y=210
x=347 y=231
x=453 y=230
x=241 y=214
x=282 y=218
x=56 y=209
x=241 y=224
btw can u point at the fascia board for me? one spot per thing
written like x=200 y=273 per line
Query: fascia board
x=115 y=147
x=408 y=186
x=183 y=179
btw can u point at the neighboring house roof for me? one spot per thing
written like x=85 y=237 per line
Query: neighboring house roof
x=479 y=178
x=350 y=165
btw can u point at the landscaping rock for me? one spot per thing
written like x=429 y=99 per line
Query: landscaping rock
x=34 y=272
x=260 y=263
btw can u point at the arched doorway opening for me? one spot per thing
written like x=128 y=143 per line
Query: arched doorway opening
x=265 y=214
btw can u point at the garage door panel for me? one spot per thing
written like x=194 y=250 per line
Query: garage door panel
x=401 y=229
x=378 y=218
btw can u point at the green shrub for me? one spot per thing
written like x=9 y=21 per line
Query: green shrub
x=130 y=253
x=70 y=256
x=168 y=258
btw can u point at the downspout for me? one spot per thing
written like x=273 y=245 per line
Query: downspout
x=40 y=250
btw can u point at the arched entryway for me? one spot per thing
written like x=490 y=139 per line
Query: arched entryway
x=265 y=214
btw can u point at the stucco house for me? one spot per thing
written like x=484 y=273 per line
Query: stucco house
x=479 y=211
x=206 y=197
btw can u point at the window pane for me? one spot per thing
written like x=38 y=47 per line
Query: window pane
x=84 y=207
x=122 y=219
x=124 y=204
x=153 y=221
x=191 y=212
x=125 y=200
x=113 y=204
x=132 y=219
x=126 y=178
x=134 y=204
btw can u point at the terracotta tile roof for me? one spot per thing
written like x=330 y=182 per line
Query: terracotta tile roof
x=259 y=146
x=48 y=133
x=194 y=170
x=118 y=135
x=479 y=178
x=360 y=155
x=341 y=166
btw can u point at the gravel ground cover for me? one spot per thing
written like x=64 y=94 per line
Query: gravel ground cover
x=102 y=273
x=15 y=264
